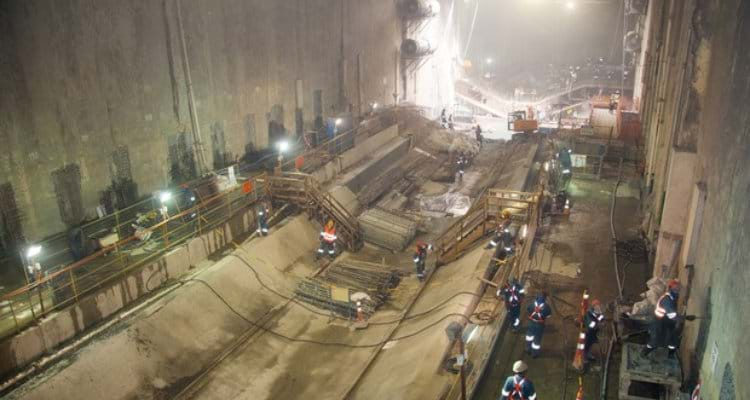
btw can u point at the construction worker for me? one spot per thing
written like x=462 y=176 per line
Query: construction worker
x=512 y=293
x=539 y=311
x=502 y=232
x=518 y=386
x=461 y=163
x=663 y=330
x=262 y=216
x=328 y=240
x=592 y=320
x=443 y=119
x=420 y=257
x=450 y=122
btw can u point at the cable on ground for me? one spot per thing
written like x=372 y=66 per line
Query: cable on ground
x=312 y=341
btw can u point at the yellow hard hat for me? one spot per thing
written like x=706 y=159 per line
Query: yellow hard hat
x=506 y=214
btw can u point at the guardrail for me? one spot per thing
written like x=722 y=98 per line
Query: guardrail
x=335 y=146
x=66 y=280
x=65 y=286
x=482 y=218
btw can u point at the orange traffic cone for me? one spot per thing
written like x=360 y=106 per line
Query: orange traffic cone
x=584 y=305
x=578 y=359
x=579 y=394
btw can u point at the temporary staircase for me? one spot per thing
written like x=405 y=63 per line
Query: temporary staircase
x=305 y=192
x=482 y=218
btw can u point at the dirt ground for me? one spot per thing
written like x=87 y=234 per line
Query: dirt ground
x=580 y=243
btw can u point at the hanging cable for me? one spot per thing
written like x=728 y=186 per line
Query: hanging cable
x=293 y=299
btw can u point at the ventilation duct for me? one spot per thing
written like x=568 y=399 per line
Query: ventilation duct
x=415 y=48
x=420 y=8
x=632 y=41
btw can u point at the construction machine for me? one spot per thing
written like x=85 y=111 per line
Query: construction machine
x=522 y=121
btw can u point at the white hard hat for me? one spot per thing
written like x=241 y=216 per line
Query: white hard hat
x=520 y=366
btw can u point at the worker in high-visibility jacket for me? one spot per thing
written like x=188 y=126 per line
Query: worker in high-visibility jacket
x=503 y=226
x=420 y=258
x=461 y=163
x=539 y=311
x=518 y=386
x=663 y=330
x=512 y=293
x=592 y=321
x=328 y=240
x=262 y=218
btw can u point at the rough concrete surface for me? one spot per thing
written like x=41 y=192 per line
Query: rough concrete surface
x=582 y=240
x=407 y=369
x=158 y=350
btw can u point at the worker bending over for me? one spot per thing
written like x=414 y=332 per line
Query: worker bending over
x=518 y=386
x=592 y=321
x=420 y=257
x=328 y=240
x=512 y=293
x=663 y=330
x=539 y=311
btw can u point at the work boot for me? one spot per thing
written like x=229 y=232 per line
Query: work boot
x=671 y=354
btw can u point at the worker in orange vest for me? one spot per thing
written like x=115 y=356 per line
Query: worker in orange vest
x=328 y=240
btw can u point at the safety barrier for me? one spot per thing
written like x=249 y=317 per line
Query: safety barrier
x=482 y=218
x=64 y=286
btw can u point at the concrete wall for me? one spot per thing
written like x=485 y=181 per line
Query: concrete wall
x=695 y=98
x=28 y=346
x=58 y=328
x=91 y=91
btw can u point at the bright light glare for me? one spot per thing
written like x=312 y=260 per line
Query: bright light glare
x=33 y=250
x=165 y=196
x=570 y=5
x=472 y=333
x=283 y=146
x=375 y=105
x=488 y=60
x=339 y=121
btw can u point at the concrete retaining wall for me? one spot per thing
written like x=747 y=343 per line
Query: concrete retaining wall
x=362 y=150
x=29 y=345
x=57 y=328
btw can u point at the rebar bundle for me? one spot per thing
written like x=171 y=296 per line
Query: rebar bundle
x=374 y=280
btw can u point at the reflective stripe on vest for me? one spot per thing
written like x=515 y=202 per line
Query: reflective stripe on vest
x=660 y=311
x=518 y=388
x=536 y=316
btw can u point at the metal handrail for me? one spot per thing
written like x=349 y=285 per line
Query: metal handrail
x=50 y=293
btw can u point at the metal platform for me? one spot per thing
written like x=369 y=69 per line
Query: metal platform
x=646 y=378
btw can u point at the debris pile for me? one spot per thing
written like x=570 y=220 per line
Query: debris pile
x=342 y=284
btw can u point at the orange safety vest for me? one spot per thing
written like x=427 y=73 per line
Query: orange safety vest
x=329 y=234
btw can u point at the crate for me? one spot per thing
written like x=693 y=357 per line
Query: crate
x=647 y=378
